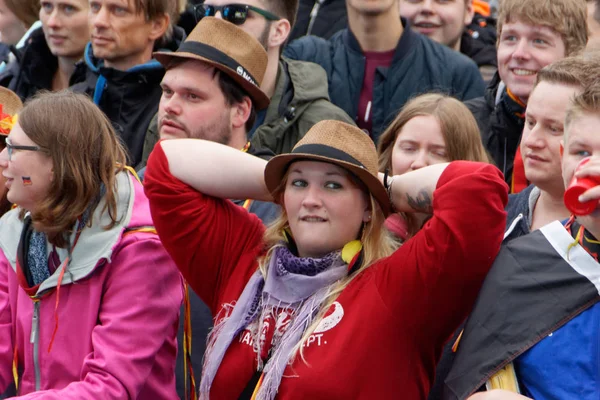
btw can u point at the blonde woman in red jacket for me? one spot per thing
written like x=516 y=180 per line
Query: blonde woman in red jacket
x=323 y=304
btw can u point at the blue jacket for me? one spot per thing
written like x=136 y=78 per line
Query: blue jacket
x=419 y=65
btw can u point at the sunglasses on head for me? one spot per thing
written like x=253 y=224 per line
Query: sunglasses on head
x=234 y=13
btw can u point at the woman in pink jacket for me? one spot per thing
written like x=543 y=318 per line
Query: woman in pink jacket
x=89 y=299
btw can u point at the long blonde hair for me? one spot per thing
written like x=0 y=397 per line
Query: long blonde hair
x=376 y=241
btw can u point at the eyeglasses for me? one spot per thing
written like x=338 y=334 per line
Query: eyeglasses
x=234 y=13
x=10 y=147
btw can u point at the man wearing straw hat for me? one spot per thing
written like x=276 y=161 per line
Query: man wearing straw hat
x=297 y=89
x=211 y=90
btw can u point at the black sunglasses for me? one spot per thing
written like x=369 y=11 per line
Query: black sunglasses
x=234 y=13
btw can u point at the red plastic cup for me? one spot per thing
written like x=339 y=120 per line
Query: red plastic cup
x=576 y=188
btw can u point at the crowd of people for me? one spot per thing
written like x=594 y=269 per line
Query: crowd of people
x=299 y=199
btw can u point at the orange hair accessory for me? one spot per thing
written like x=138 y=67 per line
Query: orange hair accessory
x=10 y=105
x=482 y=7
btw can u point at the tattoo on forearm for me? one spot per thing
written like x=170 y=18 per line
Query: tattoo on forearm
x=422 y=203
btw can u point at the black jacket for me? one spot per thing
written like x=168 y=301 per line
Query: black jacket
x=499 y=126
x=34 y=68
x=535 y=286
x=478 y=50
x=128 y=98
x=420 y=65
x=321 y=18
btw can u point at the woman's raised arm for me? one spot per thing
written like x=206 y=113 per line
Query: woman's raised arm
x=216 y=170
x=413 y=191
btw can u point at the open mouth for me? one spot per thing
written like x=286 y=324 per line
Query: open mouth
x=523 y=72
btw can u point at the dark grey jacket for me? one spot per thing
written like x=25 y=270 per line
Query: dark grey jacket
x=321 y=18
x=519 y=211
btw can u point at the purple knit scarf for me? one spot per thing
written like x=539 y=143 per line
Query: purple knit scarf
x=296 y=283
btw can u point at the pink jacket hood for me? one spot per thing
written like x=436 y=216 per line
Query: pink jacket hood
x=112 y=323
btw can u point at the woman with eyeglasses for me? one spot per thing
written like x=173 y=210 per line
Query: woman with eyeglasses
x=89 y=299
x=48 y=60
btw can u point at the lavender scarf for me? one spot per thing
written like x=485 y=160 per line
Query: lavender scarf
x=301 y=284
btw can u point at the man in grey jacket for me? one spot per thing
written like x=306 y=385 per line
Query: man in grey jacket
x=298 y=90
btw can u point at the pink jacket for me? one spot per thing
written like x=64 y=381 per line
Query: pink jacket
x=117 y=315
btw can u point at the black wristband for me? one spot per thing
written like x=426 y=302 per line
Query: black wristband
x=385 y=176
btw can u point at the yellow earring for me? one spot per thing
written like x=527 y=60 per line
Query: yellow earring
x=350 y=250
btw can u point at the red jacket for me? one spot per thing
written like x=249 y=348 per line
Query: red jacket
x=384 y=334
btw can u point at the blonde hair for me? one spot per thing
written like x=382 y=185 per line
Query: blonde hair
x=376 y=241
x=587 y=102
x=567 y=17
x=459 y=128
x=573 y=71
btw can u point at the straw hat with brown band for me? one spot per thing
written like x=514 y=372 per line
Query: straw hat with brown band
x=337 y=143
x=228 y=48
x=10 y=105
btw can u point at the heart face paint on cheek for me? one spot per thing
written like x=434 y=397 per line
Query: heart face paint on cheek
x=26 y=181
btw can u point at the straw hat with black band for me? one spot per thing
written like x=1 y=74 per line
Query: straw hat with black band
x=337 y=143
x=10 y=105
x=228 y=48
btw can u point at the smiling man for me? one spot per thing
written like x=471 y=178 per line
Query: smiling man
x=548 y=348
x=531 y=35
x=121 y=76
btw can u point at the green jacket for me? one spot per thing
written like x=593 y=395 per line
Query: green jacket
x=300 y=100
